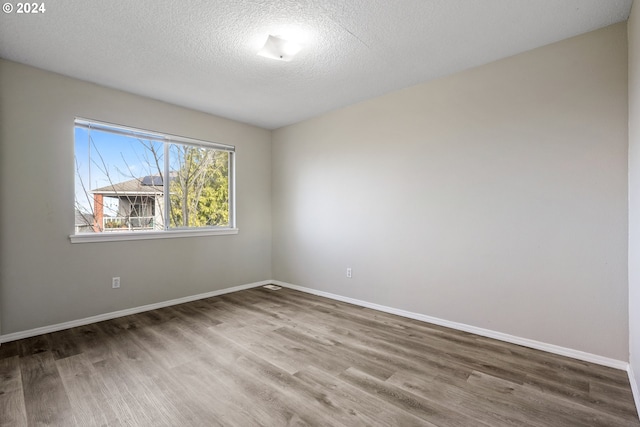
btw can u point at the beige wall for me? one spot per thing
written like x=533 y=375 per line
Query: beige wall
x=496 y=197
x=44 y=279
x=634 y=191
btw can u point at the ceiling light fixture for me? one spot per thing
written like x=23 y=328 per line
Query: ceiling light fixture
x=279 y=48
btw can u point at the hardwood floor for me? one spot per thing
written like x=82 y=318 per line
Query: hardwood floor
x=279 y=358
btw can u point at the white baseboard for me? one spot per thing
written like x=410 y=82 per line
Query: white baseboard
x=551 y=348
x=634 y=388
x=114 y=314
x=563 y=351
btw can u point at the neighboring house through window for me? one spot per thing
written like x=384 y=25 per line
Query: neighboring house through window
x=121 y=183
x=139 y=205
x=83 y=222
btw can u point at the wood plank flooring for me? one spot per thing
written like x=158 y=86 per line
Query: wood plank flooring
x=285 y=358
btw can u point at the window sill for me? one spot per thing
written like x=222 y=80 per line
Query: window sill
x=148 y=235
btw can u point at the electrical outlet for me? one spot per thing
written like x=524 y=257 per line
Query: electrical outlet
x=349 y=272
x=115 y=282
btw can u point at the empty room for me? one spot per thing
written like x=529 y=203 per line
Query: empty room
x=322 y=213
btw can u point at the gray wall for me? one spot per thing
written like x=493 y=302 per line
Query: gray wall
x=496 y=197
x=44 y=279
x=634 y=192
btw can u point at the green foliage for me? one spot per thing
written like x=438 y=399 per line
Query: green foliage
x=199 y=187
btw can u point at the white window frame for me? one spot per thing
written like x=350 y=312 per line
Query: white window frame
x=165 y=139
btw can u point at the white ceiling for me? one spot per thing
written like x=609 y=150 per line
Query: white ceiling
x=202 y=54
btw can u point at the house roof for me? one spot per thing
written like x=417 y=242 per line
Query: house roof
x=83 y=218
x=147 y=185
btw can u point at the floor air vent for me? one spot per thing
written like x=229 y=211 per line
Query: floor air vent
x=273 y=287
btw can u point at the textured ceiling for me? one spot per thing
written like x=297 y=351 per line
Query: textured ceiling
x=202 y=54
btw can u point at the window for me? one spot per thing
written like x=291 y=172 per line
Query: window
x=132 y=183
